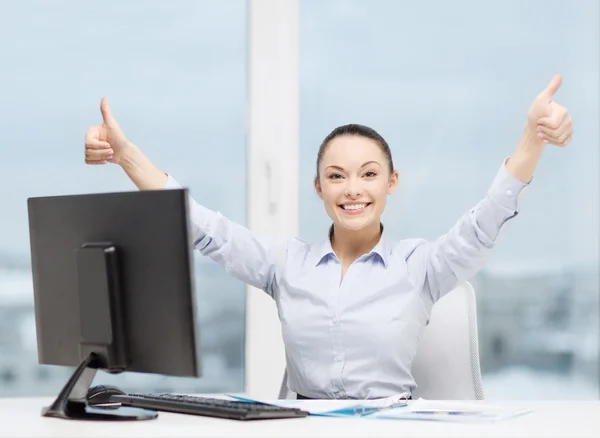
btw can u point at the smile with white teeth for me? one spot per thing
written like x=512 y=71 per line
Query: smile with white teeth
x=354 y=206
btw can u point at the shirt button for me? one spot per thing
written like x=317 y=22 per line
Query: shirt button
x=335 y=321
x=338 y=357
x=509 y=192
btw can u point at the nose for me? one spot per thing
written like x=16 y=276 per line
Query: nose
x=353 y=189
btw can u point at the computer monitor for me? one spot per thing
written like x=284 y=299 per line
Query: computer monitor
x=113 y=290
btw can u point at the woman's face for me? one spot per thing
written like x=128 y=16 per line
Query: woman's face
x=354 y=182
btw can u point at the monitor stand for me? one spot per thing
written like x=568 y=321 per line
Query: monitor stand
x=100 y=318
x=71 y=403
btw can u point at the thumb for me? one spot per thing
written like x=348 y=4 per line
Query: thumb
x=552 y=86
x=106 y=112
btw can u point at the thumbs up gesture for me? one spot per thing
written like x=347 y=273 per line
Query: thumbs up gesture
x=106 y=142
x=550 y=120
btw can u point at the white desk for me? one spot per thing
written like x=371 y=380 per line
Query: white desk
x=20 y=417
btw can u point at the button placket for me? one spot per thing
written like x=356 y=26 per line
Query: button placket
x=337 y=334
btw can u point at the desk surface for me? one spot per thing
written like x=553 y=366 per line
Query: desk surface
x=20 y=417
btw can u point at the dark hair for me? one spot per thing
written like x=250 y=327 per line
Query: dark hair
x=361 y=131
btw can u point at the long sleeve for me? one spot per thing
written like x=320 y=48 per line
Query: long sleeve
x=460 y=253
x=241 y=253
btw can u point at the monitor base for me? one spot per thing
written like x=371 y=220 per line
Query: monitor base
x=72 y=404
x=81 y=411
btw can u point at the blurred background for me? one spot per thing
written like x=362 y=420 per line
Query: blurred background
x=447 y=84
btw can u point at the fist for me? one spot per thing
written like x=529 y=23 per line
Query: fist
x=105 y=143
x=550 y=120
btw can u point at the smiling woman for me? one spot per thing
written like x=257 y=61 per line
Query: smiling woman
x=352 y=338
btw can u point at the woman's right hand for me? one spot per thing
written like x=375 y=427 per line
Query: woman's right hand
x=106 y=142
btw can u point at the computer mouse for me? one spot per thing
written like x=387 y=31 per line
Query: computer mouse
x=100 y=394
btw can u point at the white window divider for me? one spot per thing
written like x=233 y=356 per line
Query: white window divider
x=272 y=170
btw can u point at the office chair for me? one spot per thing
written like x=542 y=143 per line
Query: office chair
x=446 y=366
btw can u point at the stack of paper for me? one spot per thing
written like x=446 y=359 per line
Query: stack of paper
x=452 y=411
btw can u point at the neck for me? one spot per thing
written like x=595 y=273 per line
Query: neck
x=349 y=245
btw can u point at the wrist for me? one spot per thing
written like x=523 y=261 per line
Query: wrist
x=524 y=160
x=129 y=156
x=530 y=143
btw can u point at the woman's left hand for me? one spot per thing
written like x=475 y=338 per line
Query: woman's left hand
x=550 y=120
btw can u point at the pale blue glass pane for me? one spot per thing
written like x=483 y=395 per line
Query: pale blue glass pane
x=448 y=84
x=175 y=75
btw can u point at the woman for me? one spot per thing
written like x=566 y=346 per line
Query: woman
x=353 y=306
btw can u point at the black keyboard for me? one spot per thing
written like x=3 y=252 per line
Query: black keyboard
x=210 y=407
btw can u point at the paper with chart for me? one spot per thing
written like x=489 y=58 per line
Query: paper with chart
x=336 y=407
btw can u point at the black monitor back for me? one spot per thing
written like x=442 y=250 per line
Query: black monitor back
x=150 y=232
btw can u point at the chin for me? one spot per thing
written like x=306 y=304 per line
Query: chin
x=355 y=224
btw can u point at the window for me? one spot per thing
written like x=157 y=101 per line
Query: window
x=175 y=74
x=448 y=85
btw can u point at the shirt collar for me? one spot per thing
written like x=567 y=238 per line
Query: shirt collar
x=324 y=250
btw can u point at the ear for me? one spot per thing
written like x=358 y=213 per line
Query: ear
x=393 y=183
x=318 y=188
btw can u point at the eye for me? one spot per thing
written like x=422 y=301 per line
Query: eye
x=370 y=174
x=335 y=176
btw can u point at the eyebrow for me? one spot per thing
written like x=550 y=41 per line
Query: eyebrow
x=364 y=165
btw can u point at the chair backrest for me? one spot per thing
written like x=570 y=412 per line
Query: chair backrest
x=446 y=366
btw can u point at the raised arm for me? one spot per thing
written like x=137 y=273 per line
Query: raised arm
x=459 y=254
x=243 y=255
